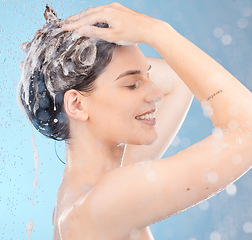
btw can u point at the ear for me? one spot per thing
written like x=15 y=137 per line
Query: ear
x=76 y=105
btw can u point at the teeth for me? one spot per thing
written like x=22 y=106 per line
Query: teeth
x=149 y=116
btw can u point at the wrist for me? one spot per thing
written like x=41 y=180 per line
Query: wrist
x=159 y=34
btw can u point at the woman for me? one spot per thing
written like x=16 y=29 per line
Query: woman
x=114 y=186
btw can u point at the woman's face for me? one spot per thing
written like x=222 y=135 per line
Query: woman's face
x=123 y=92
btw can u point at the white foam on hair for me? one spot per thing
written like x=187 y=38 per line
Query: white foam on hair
x=34 y=50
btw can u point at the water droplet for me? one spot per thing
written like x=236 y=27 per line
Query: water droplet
x=242 y=23
x=207 y=109
x=151 y=175
x=185 y=142
x=236 y=158
x=231 y=190
x=247 y=227
x=233 y=110
x=176 y=141
x=212 y=177
x=135 y=234
x=232 y=125
x=29 y=228
x=226 y=39
x=218 y=32
x=217 y=132
x=215 y=236
x=247 y=12
x=36 y=165
x=204 y=205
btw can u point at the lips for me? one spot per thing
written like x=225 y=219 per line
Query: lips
x=147 y=118
x=151 y=111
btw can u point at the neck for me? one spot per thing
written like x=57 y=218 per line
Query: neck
x=92 y=158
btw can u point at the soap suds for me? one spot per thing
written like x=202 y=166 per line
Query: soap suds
x=29 y=228
x=36 y=165
x=63 y=55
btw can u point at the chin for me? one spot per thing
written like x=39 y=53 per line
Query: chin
x=145 y=141
x=137 y=138
x=150 y=142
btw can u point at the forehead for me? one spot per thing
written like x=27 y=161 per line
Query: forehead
x=126 y=58
x=129 y=54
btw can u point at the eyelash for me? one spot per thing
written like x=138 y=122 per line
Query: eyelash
x=133 y=87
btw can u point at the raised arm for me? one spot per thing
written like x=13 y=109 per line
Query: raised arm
x=140 y=194
x=170 y=115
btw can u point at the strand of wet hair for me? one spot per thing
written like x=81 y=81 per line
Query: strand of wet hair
x=57 y=153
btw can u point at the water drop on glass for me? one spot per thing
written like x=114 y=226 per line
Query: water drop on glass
x=247 y=227
x=218 y=32
x=231 y=190
x=242 y=23
x=226 y=39
x=204 y=205
x=215 y=236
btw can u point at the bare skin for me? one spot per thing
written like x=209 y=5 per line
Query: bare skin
x=111 y=199
x=85 y=165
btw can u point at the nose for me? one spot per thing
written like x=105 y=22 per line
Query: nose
x=153 y=94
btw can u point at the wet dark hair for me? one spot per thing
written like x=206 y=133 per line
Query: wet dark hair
x=57 y=61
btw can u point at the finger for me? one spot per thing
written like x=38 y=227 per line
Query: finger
x=96 y=32
x=73 y=25
x=88 y=20
x=23 y=46
x=74 y=17
x=84 y=13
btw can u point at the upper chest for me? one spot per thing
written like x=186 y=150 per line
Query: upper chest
x=65 y=224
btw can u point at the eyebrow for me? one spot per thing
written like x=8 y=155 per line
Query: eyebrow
x=131 y=72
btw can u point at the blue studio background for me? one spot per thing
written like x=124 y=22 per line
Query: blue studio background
x=222 y=28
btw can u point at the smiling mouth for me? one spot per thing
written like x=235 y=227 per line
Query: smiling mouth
x=147 y=118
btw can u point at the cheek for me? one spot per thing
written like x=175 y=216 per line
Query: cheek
x=108 y=110
x=121 y=104
x=115 y=109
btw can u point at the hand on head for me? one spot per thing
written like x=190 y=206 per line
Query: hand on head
x=125 y=25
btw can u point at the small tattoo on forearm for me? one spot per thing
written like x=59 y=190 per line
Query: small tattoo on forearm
x=213 y=95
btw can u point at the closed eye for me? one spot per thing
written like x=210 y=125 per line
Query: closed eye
x=132 y=87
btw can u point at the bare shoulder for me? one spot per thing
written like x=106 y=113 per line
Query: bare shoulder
x=118 y=206
x=137 y=195
x=69 y=196
x=75 y=217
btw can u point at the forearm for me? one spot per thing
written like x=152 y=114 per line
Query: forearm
x=225 y=97
x=162 y=75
